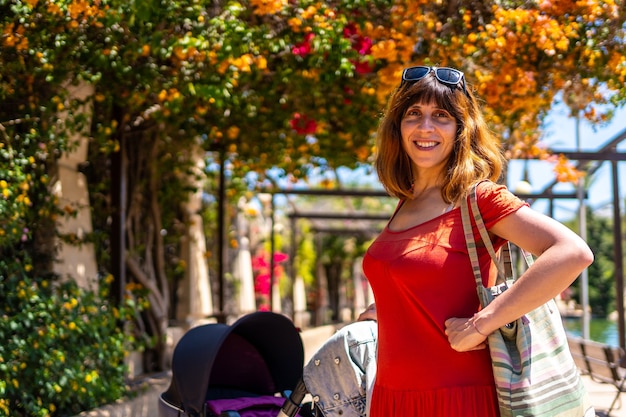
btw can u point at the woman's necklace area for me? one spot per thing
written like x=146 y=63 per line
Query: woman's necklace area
x=426 y=192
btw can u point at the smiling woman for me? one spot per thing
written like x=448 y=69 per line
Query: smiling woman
x=433 y=148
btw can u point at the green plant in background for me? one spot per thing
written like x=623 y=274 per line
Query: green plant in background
x=63 y=349
x=602 y=271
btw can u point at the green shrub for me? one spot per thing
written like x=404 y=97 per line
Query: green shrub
x=63 y=347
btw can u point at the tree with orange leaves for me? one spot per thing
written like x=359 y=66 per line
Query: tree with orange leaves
x=520 y=56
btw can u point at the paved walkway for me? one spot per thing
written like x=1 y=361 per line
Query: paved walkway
x=146 y=404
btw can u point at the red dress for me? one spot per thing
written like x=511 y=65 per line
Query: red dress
x=421 y=277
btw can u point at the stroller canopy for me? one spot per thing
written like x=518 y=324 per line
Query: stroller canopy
x=260 y=354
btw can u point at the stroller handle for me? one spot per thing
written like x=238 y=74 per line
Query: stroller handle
x=292 y=404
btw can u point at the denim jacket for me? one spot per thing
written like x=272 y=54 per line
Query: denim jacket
x=340 y=375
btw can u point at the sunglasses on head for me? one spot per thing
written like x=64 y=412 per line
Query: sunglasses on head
x=445 y=75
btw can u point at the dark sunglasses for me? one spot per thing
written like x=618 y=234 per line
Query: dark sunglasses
x=445 y=75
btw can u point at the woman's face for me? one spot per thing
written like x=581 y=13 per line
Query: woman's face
x=428 y=135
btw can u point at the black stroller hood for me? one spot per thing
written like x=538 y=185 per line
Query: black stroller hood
x=259 y=354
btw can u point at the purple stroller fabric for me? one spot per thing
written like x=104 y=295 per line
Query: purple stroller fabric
x=262 y=406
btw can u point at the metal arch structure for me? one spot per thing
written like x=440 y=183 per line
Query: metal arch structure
x=357 y=216
x=590 y=162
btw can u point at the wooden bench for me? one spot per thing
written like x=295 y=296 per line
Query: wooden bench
x=603 y=363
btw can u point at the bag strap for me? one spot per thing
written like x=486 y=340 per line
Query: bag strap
x=466 y=214
x=505 y=265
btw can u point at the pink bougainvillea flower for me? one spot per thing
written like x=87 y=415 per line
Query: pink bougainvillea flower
x=303 y=124
x=303 y=48
x=259 y=262
x=280 y=257
x=363 y=45
x=262 y=284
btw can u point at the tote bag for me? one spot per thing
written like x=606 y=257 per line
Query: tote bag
x=533 y=369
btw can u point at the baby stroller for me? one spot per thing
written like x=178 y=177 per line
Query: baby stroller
x=255 y=368
x=219 y=367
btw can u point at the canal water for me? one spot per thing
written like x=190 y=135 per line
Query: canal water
x=600 y=330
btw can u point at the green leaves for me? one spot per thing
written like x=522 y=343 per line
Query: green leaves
x=63 y=351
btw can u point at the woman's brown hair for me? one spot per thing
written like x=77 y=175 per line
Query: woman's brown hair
x=476 y=154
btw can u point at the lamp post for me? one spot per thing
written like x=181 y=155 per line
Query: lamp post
x=582 y=231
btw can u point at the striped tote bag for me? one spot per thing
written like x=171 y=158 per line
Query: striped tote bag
x=533 y=369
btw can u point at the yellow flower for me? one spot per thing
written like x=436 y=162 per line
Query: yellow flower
x=233 y=132
x=261 y=62
x=263 y=7
x=294 y=23
x=91 y=376
x=4 y=406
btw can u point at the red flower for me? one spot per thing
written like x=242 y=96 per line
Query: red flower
x=350 y=30
x=362 y=44
x=363 y=67
x=348 y=92
x=302 y=124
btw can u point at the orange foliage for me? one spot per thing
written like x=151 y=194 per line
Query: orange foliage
x=262 y=7
x=565 y=171
x=516 y=58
